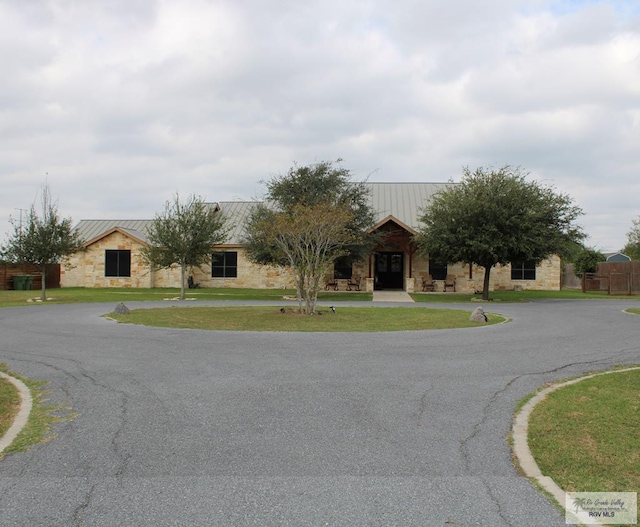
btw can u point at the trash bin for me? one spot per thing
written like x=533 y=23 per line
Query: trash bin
x=20 y=282
x=28 y=282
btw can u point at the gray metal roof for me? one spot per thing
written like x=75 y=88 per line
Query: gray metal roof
x=91 y=229
x=403 y=201
x=237 y=213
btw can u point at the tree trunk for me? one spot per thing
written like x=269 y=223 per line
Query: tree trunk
x=182 y=275
x=299 y=291
x=485 y=286
x=43 y=291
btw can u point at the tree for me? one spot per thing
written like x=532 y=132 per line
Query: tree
x=311 y=216
x=184 y=235
x=632 y=249
x=44 y=239
x=497 y=217
x=586 y=261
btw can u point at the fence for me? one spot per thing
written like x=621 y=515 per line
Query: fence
x=8 y=271
x=616 y=278
x=568 y=278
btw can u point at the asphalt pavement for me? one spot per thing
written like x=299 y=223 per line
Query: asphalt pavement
x=187 y=428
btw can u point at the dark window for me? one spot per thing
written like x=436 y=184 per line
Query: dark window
x=437 y=270
x=224 y=265
x=343 y=268
x=117 y=263
x=523 y=270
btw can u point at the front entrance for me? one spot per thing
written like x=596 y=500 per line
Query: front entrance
x=389 y=272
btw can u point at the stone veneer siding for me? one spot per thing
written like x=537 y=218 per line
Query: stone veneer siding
x=86 y=269
x=548 y=274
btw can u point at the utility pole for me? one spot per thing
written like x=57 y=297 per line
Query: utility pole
x=21 y=210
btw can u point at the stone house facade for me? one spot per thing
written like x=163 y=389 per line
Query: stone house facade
x=111 y=255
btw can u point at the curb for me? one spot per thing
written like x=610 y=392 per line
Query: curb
x=26 y=403
x=521 y=446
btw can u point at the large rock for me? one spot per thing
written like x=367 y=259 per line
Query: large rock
x=478 y=315
x=121 y=309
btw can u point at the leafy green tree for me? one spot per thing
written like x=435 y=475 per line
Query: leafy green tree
x=42 y=239
x=184 y=235
x=632 y=248
x=586 y=261
x=497 y=217
x=311 y=216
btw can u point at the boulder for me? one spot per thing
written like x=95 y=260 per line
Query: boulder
x=121 y=309
x=478 y=315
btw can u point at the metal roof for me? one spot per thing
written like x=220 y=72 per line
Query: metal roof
x=91 y=229
x=403 y=201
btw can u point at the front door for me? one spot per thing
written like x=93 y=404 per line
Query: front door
x=389 y=271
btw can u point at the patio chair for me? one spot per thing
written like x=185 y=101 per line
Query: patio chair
x=353 y=283
x=332 y=283
x=450 y=284
x=428 y=284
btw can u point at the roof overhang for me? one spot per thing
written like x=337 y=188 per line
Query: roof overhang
x=395 y=220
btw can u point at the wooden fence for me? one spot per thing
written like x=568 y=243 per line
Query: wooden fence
x=8 y=271
x=616 y=278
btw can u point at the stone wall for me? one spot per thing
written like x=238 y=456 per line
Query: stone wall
x=249 y=275
x=87 y=269
x=548 y=274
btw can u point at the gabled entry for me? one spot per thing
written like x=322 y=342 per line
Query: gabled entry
x=389 y=270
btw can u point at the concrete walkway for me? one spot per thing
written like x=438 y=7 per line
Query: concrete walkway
x=391 y=296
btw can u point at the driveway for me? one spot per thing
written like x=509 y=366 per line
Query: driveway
x=184 y=427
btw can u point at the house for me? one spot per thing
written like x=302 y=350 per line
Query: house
x=111 y=254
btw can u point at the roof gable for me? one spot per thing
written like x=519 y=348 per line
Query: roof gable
x=138 y=237
x=391 y=219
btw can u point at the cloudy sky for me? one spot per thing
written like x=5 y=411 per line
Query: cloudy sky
x=119 y=104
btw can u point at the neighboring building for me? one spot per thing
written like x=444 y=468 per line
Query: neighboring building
x=617 y=257
x=111 y=254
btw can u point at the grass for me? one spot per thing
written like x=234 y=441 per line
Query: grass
x=517 y=296
x=9 y=404
x=585 y=436
x=345 y=319
x=41 y=420
x=75 y=295
x=633 y=310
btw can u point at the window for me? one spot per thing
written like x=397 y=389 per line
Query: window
x=224 y=265
x=117 y=263
x=343 y=268
x=523 y=270
x=437 y=270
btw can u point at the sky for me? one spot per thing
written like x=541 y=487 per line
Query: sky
x=117 y=105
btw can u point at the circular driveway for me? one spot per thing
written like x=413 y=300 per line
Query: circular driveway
x=189 y=428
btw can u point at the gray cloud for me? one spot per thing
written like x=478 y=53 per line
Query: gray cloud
x=124 y=103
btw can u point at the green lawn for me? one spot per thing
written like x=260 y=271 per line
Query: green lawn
x=9 y=404
x=517 y=296
x=41 y=420
x=72 y=295
x=585 y=436
x=345 y=319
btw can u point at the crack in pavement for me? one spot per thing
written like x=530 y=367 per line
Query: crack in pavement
x=80 y=509
x=464 y=443
x=464 y=448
